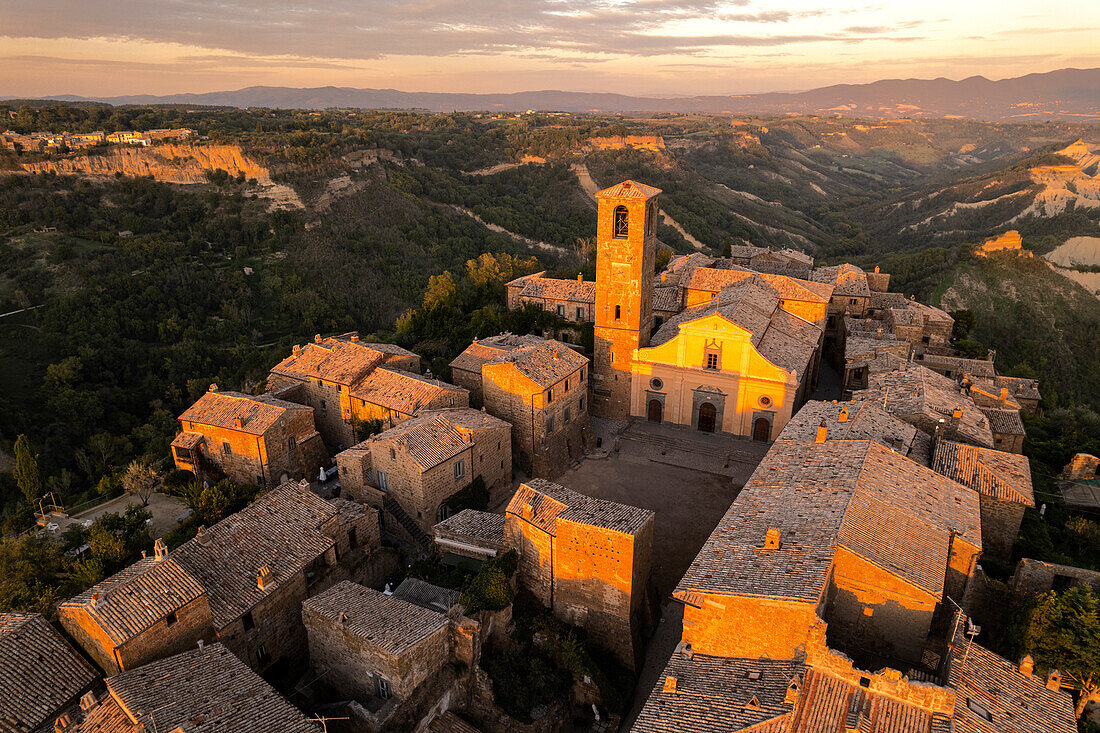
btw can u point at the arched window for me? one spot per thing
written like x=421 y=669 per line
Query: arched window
x=620 y=225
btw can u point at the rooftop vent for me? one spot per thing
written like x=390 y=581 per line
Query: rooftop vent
x=238 y=422
x=1004 y=394
x=580 y=277
x=160 y=550
x=264 y=577
x=296 y=349
x=771 y=539
x=202 y=537
x=63 y=722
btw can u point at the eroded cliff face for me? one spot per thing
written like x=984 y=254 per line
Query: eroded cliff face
x=172 y=164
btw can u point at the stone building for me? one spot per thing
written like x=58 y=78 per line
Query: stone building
x=586 y=559
x=206 y=688
x=851 y=294
x=240 y=582
x=626 y=246
x=820 y=421
x=373 y=647
x=1007 y=428
x=845 y=533
x=957 y=367
x=427 y=459
x=1033 y=577
x=864 y=340
x=327 y=374
x=1082 y=467
x=1020 y=391
x=539 y=386
x=573 y=300
x=251 y=439
x=41 y=675
x=807 y=300
x=929 y=401
x=1003 y=483
x=740 y=364
x=471 y=534
x=925 y=327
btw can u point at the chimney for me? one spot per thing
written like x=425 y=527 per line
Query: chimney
x=202 y=536
x=580 y=277
x=94 y=600
x=822 y=432
x=88 y=702
x=316 y=338
x=296 y=349
x=670 y=684
x=556 y=354
x=62 y=723
x=212 y=388
x=528 y=511
x=1054 y=680
x=202 y=643
x=1027 y=665
x=160 y=550
x=956 y=416
x=355 y=337
x=1004 y=394
x=237 y=421
x=343 y=618
x=843 y=416
x=876 y=269
x=771 y=539
x=264 y=577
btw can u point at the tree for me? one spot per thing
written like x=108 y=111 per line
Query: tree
x=26 y=470
x=140 y=480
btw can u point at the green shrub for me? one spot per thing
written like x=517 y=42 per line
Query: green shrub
x=177 y=479
x=489 y=589
x=524 y=679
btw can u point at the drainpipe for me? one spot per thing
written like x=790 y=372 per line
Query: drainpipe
x=263 y=475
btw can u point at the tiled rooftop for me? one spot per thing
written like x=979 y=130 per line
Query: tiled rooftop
x=544 y=361
x=629 y=190
x=207 y=690
x=39 y=672
x=713 y=280
x=434 y=436
x=666 y=299
x=389 y=623
x=862 y=421
x=578 y=291
x=426 y=595
x=400 y=390
x=480 y=527
x=846 y=279
x=257 y=413
x=858 y=494
x=338 y=360
x=550 y=501
x=958 y=365
x=1004 y=422
x=1004 y=476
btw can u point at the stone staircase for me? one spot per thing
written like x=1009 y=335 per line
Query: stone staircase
x=412 y=529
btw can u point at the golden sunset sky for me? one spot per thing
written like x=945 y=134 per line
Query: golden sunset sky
x=657 y=47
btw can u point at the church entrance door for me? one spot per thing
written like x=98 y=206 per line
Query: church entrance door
x=655 y=411
x=707 y=413
x=761 y=429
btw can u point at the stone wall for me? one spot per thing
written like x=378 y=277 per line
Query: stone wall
x=1033 y=577
x=470 y=381
x=1000 y=524
x=1082 y=467
x=739 y=626
x=277 y=627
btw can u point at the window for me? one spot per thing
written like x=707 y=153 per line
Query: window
x=323 y=405
x=618 y=312
x=319 y=383
x=978 y=709
x=170 y=619
x=226 y=449
x=581 y=405
x=393 y=454
x=925 y=339
x=650 y=218
x=566 y=417
x=460 y=469
x=452 y=402
x=382 y=687
x=561 y=311
x=383 y=480
x=580 y=314
x=353 y=539
x=550 y=424
x=656 y=384
x=566 y=385
x=853 y=301
x=262 y=657
x=550 y=395
x=291 y=443
x=248 y=621
x=620 y=224
x=712 y=360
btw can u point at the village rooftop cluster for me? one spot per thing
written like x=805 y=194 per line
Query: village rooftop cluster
x=56 y=142
x=833 y=595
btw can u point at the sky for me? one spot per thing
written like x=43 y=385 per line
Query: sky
x=640 y=47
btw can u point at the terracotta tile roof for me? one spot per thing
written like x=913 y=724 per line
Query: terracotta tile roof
x=338 y=360
x=789 y=288
x=828 y=704
x=887 y=300
x=862 y=421
x=716 y=694
x=388 y=623
x=847 y=280
x=856 y=494
x=135 y=598
x=922 y=397
x=666 y=299
x=629 y=190
x=427 y=440
x=550 y=501
x=39 y=672
x=959 y=365
x=859 y=348
x=543 y=287
x=1014 y=701
x=426 y=595
x=281 y=529
x=1004 y=422
x=257 y=413
x=208 y=690
x=1018 y=387
x=479 y=528
x=399 y=390
x=448 y=722
x=545 y=361
x=187 y=441
x=753 y=304
x=1004 y=476
x=481 y=352
x=522 y=279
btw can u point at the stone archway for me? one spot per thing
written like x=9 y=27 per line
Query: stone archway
x=707 y=415
x=655 y=411
x=762 y=429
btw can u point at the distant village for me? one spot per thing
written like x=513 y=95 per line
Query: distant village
x=836 y=593
x=56 y=142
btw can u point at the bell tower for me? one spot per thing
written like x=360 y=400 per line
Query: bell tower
x=626 y=244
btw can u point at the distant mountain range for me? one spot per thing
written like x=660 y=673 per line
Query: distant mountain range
x=1065 y=94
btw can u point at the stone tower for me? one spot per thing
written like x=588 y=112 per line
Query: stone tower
x=626 y=244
